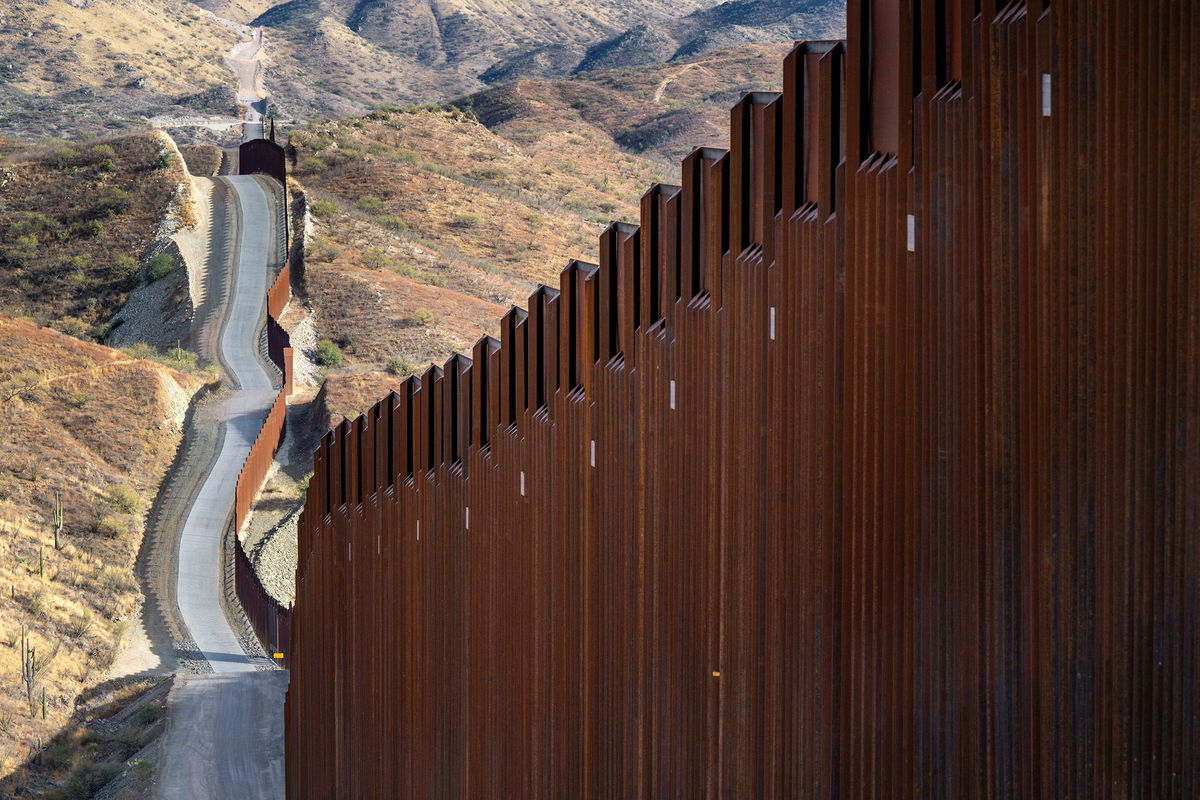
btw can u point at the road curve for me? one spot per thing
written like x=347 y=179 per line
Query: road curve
x=199 y=578
x=224 y=735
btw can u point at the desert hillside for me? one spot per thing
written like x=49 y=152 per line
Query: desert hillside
x=77 y=69
x=658 y=110
x=81 y=69
x=428 y=225
x=76 y=222
x=444 y=48
x=99 y=427
x=719 y=26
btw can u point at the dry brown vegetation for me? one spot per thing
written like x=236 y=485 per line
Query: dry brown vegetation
x=661 y=110
x=100 y=428
x=359 y=54
x=54 y=46
x=429 y=226
x=74 y=220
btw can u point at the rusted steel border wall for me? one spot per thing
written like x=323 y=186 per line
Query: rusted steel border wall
x=262 y=156
x=270 y=619
x=865 y=467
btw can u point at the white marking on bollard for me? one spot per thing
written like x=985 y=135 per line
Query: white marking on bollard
x=593 y=456
x=522 y=483
x=912 y=233
x=672 y=395
x=467 y=519
x=418 y=530
x=771 y=323
x=1046 y=94
x=378 y=544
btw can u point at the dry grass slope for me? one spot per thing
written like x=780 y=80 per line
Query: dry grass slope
x=429 y=226
x=78 y=70
x=100 y=428
x=661 y=110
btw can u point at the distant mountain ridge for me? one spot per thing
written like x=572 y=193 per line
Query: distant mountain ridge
x=450 y=47
x=726 y=25
x=110 y=65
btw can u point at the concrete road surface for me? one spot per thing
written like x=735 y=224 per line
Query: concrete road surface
x=225 y=731
x=199 y=584
x=224 y=738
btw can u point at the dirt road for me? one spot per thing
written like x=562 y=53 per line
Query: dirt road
x=245 y=59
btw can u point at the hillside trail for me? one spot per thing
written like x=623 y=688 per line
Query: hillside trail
x=667 y=81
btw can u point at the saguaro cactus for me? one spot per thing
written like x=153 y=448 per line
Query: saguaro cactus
x=58 y=518
x=33 y=669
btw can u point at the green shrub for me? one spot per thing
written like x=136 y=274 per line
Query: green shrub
x=72 y=326
x=123 y=498
x=423 y=317
x=328 y=353
x=163 y=161
x=123 y=266
x=111 y=526
x=376 y=258
x=160 y=265
x=92 y=228
x=394 y=223
x=26 y=244
x=322 y=249
x=403 y=156
x=58 y=756
x=180 y=359
x=116 y=201
x=490 y=174
x=369 y=204
x=114 y=581
x=84 y=782
x=314 y=166
x=101 y=152
x=322 y=209
x=466 y=220
x=64 y=157
x=140 y=350
x=398 y=366
x=148 y=714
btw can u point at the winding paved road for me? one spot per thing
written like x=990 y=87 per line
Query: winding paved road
x=225 y=735
x=199 y=585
